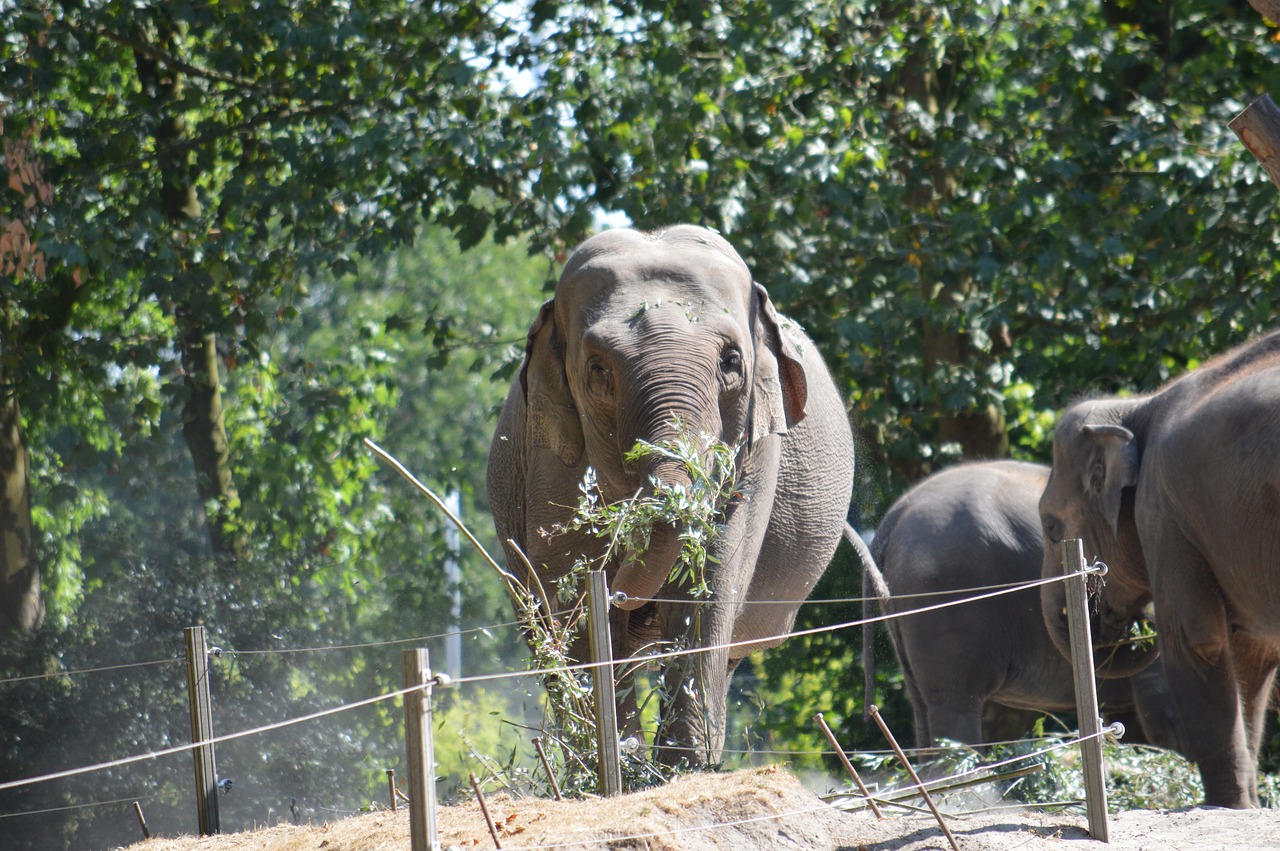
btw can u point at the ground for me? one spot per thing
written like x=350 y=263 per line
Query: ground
x=763 y=809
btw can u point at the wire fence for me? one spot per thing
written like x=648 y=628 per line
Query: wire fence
x=485 y=678
x=961 y=597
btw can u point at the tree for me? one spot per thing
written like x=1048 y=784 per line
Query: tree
x=959 y=202
x=977 y=211
x=205 y=162
x=21 y=261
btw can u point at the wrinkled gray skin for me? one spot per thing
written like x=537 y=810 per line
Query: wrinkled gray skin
x=644 y=328
x=1179 y=493
x=974 y=526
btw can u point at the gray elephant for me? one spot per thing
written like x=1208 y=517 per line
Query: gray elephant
x=644 y=330
x=1179 y=493
x=977 y=526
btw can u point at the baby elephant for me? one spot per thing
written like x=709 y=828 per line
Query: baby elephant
x=973 y=526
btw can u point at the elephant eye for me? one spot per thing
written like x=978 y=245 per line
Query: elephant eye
x=731 y=360
x=599 y=378
x=1053 y=529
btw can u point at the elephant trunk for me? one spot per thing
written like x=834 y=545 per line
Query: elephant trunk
x=642 y=576
x=1115 y=653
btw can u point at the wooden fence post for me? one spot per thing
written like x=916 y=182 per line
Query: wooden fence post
x=1095 y=787
x=1258 y=128
x=202 y=730
x=602 y=676
x=415 y=669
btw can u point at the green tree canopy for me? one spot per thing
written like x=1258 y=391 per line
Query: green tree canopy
x=979 y=211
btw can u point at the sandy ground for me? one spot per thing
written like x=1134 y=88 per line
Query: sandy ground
x=759 y=809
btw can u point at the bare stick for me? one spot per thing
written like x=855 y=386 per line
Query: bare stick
x=915 y=778
x=848 y=766
x=610 y=765
x=201 y=705
x=415 y=668
x=493 y=831
x=409 y=477
x=391 y=788
x=142 y=820
x=546 y=766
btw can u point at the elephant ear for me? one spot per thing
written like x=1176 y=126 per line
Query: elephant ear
x=1112 y=467
x=781 y=387
x=551 y=417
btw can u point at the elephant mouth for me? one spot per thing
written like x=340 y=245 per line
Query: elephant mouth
x=1122 y=645
x=1127 y=654
x=642 y=576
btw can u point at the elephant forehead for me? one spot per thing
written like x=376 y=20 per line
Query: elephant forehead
x=623 y=285
x=682 y=239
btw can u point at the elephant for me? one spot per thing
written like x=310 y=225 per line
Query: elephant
x=1178 y=492
x=973 y=526
x=648 y=334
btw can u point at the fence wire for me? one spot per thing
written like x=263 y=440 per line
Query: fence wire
x=540 y=672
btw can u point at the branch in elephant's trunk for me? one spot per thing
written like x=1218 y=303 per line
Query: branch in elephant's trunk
x=665 y=536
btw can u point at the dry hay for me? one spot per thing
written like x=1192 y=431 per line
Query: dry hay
x=763 y=809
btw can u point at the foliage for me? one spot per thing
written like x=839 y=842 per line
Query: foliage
x=978 y=212
x=1043 y=771
x=955 y=201
x=343 y=560
x=696 y=510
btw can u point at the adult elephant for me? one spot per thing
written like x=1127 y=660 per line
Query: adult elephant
x=650 y=335
x=1178 y=492
x=976 y=526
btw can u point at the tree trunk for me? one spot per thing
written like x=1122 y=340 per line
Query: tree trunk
x=978 y=430
x=202 y=420
x=206 y=436
x=21 y=607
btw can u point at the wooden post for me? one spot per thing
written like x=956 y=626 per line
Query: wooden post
x=602 y=675
x=484 y=808
x=1095 y=787
x=201 y=705
x=546 y=766
x=142 y=820
x=391 y=788
x=415 y=670
x=848 y=766
x=915 y=778
x=1259 y=129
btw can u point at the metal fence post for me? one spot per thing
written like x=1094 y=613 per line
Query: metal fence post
x=201 y=704
x=602 y=676
x=1095 y=786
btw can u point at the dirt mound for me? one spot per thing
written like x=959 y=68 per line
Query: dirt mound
x=765 y=809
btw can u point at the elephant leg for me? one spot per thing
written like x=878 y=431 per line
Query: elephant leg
x=954 y=716
x=696 y=686
x=695 y=691
x=1005 y=723
x=1255 y=663
x=1196 y=646
x=1154 y=709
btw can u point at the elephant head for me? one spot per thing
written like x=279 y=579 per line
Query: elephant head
x=1089 y=495
x=647 y=335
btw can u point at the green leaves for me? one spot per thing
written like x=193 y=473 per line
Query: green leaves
x=696 y=510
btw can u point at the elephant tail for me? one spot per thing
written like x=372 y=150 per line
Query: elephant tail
x=873 y=588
